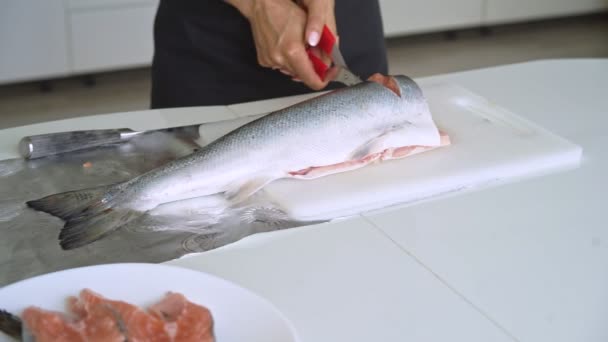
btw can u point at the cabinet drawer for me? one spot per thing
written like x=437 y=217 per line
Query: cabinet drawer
x=500 y=11
x=112 y=38
x=95 y=4
x=32 y=40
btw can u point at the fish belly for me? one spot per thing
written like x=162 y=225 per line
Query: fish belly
x=313 y=172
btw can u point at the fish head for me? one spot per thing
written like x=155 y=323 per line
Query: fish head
x=408 y=88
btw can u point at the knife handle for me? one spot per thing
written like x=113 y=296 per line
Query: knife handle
x=37 y=146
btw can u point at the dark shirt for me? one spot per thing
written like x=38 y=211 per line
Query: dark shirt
x=205 y=53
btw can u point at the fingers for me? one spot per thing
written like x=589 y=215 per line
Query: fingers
x=281 y=42
x=320 y=13
x=317 y=12
x=302 y=68
x=321 y=55
x=332 y=73
x=285 y=72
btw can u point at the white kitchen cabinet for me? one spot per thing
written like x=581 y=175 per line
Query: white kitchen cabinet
x=415 y=16
x=119 y=35
x=92 y=4
x=42 y=39
x=502 y=11
x=33 y=42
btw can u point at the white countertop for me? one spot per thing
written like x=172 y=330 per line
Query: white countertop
x=527 y=261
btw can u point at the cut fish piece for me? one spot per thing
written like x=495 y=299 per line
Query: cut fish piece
x=51 y=326
x=99 y=319
x=186 y=321
x=139 y=325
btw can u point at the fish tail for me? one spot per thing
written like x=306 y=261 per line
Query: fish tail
x=89 y=214
x=83 y=231
x=72 y=204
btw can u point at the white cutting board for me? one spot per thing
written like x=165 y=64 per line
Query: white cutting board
x=490 y=146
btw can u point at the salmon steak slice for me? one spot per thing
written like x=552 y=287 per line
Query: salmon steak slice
x=137 y=324
x=51 y=326
x=92 y=317
x=185 y=321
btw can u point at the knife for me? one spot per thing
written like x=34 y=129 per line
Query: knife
x=329 y=45
x=42 y=145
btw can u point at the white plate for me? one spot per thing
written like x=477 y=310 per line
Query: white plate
x=239 y=314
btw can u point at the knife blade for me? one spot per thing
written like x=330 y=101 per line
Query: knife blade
x=43 y=145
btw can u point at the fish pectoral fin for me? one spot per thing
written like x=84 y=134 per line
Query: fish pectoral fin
x=368 y=148
x=242 y=191
x=376 y=145
x=399 y=136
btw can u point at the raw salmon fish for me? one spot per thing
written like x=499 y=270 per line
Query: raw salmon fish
x=185 y=321
x=381 y=119
x=94 y=318
x=51 y=326
x=134 y=322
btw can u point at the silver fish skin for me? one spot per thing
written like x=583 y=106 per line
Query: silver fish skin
x=341 y=126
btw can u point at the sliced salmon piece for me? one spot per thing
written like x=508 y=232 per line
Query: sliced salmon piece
x=99 y=319
x=186 y=321
x=102 y=323
x=51 y=326
x=137 y=325
x=98 y=323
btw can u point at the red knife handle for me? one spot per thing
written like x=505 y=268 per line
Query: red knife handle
x=327 y=41
x=326 y=44
x=320 y=67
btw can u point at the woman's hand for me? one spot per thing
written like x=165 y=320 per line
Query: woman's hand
x=281 y=29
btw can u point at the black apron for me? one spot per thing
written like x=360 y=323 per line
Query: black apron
x=205 y=54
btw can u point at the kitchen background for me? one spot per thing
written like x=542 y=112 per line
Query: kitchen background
x=67 y=58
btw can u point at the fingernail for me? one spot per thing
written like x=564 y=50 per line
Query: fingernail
x=313 y=38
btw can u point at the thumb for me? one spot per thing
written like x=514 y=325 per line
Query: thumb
x=317 y=13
